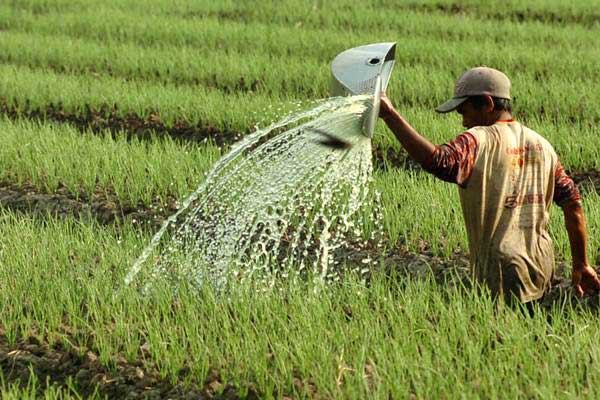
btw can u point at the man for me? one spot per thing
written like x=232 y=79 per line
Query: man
x=508 y=175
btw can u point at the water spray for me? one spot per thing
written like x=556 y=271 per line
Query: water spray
x=288 y=199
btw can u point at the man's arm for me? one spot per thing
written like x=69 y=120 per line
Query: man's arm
x=418 y=147
x=451 y=162
x=584 y=277
x=567 y=196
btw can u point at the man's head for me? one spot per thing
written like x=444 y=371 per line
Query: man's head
x=481 y=96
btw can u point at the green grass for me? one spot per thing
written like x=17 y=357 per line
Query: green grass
x=34 y=389
x=190 y=63
x=137 y=172
x=405 y=336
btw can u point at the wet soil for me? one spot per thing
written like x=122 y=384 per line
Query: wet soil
x=103 y=206
x=586 y=179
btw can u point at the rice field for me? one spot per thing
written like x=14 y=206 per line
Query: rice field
x=112 y=113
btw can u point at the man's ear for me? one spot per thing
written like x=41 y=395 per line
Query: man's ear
x=489 y=104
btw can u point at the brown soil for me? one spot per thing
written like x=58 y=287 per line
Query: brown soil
x=104 y=206
x=590 y=178
x=108 y=119
x=547 y=16
x=101 y=205
x=58 y=364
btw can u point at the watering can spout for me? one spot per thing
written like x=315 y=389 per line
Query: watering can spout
x=364 y=70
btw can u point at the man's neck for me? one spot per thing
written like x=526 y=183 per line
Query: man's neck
x=504 y=116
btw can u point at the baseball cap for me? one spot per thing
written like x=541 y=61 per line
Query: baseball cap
x=475 y=82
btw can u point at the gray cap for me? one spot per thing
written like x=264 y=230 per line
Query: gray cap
x=475 y=82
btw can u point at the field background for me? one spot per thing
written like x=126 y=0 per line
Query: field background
x=112 y=112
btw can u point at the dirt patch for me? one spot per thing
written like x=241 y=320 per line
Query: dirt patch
x=132 y=380
x=586 y=179
x=107 y=118
x=589 y=20
x=101 y=205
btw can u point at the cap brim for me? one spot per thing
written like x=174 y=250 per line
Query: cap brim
x=451 y=104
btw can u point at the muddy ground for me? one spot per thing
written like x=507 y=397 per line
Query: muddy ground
x=105 y=207
x=102 y=205
x=58 y=364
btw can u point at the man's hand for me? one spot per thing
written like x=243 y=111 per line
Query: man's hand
x=386 y=108
x=585 y=280
x=584 y=277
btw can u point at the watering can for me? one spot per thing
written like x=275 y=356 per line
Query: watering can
x=364 y=70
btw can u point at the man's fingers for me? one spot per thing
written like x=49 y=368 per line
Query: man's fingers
x=597 y=283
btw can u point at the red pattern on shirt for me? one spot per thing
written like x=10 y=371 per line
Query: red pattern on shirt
x=454 y=161
x=565 y=189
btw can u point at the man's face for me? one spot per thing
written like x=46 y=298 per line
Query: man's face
x=471 y=116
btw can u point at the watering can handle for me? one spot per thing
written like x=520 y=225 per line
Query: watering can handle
x=372 y=115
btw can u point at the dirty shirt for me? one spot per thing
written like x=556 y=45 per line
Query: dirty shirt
x=508 y=177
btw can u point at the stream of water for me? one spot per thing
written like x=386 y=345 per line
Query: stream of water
x=289 y=199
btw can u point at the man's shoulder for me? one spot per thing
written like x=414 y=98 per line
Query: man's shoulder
x=537 y=137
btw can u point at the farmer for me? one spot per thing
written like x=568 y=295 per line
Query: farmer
x=508 y=175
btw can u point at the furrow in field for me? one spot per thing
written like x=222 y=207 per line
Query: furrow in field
x=101 y=205
x=554 y=12
x=61 y=365
x=344 y=15
x=151 y=172
x=576 y=144
x=107 y=208
x=28 y=88
x=106 y=119
x=415 y=87
x=589 y=18
x=297 y=69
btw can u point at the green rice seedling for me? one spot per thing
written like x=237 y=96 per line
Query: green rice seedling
x=135 y=171
x=391 y=337
x=196 y=106
x=34 y=389
x=380 y=339
x=200 y=35
x=37 y=90
x=336 y=14
x=282 y=54
x=414 y=205
x=261 y=72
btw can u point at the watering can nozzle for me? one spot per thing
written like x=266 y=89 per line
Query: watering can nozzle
x=364 y=70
